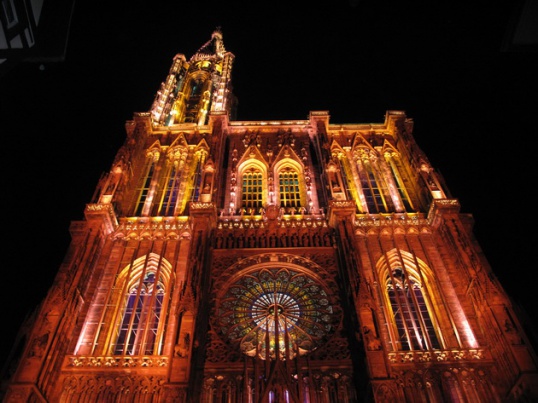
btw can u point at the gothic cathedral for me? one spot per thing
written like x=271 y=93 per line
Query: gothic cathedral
x=270 y=261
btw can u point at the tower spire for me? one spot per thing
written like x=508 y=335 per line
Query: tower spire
x=195 y=88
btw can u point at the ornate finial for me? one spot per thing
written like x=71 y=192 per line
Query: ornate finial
x=217 y=32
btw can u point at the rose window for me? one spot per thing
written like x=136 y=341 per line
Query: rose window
x=276 y=313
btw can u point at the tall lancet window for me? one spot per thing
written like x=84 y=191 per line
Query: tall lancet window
x=413 y=322
x=289 y=191
x=373 y=182
x=170 y=190
x=142 y=309
x=193 y=100
x=375 y=202
x=144 y=184
x=401 y=179
x=197 y=177
x=252 y=189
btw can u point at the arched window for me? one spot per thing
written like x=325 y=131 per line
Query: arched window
x=374 y=186
x=144 y=183
x=347 y=176
x=170 y=190
x=142 y=307
x=412 y=322
x=252 y=189
x=288 y=186
x=410 y=313
x=141 y=316
x=197 y=86
x=398 y=171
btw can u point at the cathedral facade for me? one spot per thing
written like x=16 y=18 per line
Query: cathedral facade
x=270 y=261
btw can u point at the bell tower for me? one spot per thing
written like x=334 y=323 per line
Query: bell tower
x=196 y=88
x=287 y=261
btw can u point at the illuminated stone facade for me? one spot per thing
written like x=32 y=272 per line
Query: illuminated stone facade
x=270 y=261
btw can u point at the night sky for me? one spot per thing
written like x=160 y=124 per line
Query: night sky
x=474 y=106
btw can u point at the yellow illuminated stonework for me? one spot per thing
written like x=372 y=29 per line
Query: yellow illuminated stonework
x=295 y=260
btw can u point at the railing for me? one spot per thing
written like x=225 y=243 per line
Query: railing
x=117 y=361
x=436 y=356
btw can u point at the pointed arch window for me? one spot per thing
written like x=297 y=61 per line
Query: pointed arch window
x=144 y=184
x=373 y=186
x=411 y=316
x=194 y=190
x=197 y=86
x=252 y=189
x=170 y=191
x=141 y=316
x=142 y=309
x=397 y=169
x=289 y=189
x=408 y=292
x=372 y=193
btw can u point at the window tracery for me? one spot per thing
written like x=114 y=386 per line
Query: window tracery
x=408 y=297
x=289 y=190
x=170 y=188
x=372 y=184
x=252 y=189
x=141 y=302
x=401 y=180
x=144 y=185
x=276 y=313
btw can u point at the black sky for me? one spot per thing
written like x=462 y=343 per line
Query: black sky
x=474 y=108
